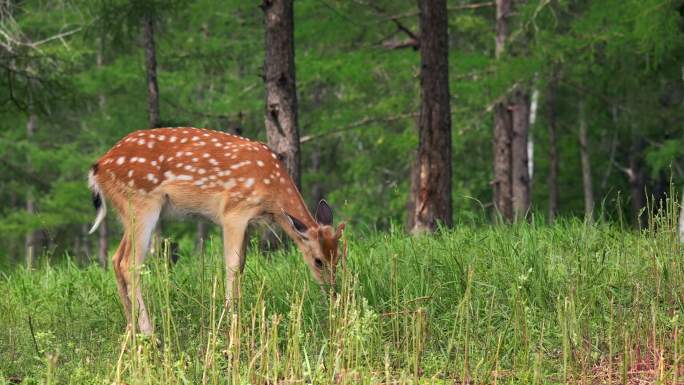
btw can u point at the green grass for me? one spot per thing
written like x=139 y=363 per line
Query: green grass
x=524 y=304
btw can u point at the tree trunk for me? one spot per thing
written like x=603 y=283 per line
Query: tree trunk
x=553 y=149
x=103 y=247
x=152 y=105
x=281 y=93
x=31 y=236
x=503 y=128
x=503 y=135
x=503 y=10
x=520 y=170
x=534 y=107
x=151 y=68
x=317 y=192
x=433 y=183
x=586 y=164
x=86 y=244
x=637 y=183
x=681 y=219
x=202 y=232
x=413 y=194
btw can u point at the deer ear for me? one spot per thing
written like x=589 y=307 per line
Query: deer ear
x=324 y=214
x=297 y=225
x=338 y=233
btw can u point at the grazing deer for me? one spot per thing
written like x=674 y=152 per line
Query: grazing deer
x=226 y=178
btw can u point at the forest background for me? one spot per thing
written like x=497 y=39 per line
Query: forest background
x=603 y=82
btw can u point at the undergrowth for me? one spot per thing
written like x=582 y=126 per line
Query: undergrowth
x=571 y=302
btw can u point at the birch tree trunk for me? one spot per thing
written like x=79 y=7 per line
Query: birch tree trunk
x=586 y=164
x=520 y=168
x=281 y=93
x=534 y=106
x=433 y=181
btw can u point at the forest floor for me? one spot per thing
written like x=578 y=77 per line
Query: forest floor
x=529 y=303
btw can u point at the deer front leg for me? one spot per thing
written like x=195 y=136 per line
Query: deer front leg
x=234 y=253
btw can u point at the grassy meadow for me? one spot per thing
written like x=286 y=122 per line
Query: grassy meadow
x=532 y=303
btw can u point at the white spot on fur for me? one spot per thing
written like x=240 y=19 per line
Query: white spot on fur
x=274 y=156
x=194 y=138
x=168 y=175
x=184 y=177
x=150 y=144
x=201 y=171
x=267 y=181
x=172 y=139
x=260 y=163
x=249 y=182
x=121 y=160
x=238 y=165
x=184 y=140
x=229 y=184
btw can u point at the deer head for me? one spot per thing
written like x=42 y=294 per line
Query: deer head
x=319 y=243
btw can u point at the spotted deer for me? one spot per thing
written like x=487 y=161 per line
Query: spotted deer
x=229 y=179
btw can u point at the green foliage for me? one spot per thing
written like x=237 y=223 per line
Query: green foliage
x=84 y=79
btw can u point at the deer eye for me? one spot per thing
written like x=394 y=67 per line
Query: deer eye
x=318 y=263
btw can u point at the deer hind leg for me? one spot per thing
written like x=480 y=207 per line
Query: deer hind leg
x=120 y=271
x=138 y=233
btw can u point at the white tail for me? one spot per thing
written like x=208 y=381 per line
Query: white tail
x=226 y=178
x=98 y=202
